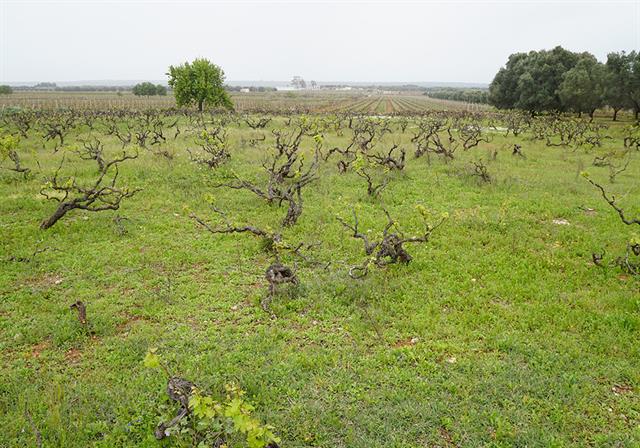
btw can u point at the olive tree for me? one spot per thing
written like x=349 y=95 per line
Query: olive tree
x=624 y=81
x=583 y=87
x=530 y=81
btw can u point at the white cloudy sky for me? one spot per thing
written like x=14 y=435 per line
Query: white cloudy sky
x=456 y=41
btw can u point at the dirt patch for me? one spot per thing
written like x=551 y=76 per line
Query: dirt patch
x=446 y=437
x=621 y=389
x=407 y=342
x=129 y=320
x=47 y=280
x=73 y=355
x=37 y=349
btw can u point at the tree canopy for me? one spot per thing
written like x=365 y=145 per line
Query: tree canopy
x=199 y=83
x=583 y=86
x=5 y=90
x=530 y=81
x=561 y=80
x=623 y=83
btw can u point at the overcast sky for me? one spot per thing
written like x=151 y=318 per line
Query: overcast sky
x=326 y=41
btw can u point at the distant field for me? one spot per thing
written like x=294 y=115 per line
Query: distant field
x=277 y=102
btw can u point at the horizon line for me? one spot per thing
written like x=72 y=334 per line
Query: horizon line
x=254 y=81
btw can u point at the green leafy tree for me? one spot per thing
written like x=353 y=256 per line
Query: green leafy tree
x=621 y=72
x=583 y=87
x=503 y=90
x=633 y=67
x=634 y=90
x=530 y=81
x=5 y=90
x=617 y=84
x=632 y=75
x=543 y=73
x=200 y=83
x=161 y=90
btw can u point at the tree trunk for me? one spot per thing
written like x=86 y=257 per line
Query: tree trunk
x=200 y=104
x=591 y=113
x=615 y=114
x=62 y=210
x=580 y=114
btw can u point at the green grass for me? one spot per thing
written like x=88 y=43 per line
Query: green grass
x=500 y=332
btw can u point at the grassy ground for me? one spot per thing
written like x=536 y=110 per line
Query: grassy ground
x=501 y=332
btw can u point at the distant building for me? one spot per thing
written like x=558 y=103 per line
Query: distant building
x=245 y=90
x=298 y=82
x=45 y=86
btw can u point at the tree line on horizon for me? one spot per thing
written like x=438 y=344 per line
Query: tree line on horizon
x=466 y=94
x=149 y=89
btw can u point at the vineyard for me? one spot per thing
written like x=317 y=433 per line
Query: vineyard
x=316 y=270
x=282 y=102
